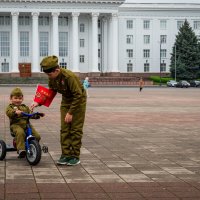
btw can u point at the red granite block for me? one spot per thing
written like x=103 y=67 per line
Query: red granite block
x=116 y=187
x=89 y=195
x=52 y=187
x=21 y=188
x=85 y=187
x=63 y=195
x=20 y=196
x=126 y=195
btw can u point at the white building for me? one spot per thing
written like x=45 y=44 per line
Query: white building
x=93 y=35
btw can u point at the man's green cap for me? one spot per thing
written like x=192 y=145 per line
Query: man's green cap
x=49 y=62
x=16 y=92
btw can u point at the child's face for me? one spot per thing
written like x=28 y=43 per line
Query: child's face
x=16 y=100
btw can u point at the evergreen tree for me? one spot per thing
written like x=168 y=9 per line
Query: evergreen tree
x=187 y=54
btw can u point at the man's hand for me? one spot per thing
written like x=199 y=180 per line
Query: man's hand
x=33 y=105
x=68 y=118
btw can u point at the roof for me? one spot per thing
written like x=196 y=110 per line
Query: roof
x=68 y=1
x=162 y=1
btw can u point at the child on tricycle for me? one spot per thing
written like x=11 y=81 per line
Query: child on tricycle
x=26 y=138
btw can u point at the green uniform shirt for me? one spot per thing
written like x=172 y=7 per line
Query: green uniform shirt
x=14 y=118
x=69 y=85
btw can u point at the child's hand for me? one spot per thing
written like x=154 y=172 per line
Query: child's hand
x=17 y=111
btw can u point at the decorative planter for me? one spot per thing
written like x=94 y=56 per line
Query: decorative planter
x=25 y=69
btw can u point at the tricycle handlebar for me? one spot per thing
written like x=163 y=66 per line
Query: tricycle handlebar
x=34 y=115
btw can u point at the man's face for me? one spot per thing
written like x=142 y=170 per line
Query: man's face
x=16 y=100
x=53 y=74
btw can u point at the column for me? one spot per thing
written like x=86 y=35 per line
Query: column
x=114 y=43
x=75 y=52
x=95 y=42
x=35 y=43
x=105 y=44
x=55 y=37
x=14 y=45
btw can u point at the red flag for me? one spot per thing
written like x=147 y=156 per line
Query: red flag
x=44 y=96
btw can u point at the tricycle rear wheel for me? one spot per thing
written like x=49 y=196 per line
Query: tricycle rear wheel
x=2 y=149
x=34 y=156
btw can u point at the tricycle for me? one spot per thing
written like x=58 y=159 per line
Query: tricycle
x=32 y=146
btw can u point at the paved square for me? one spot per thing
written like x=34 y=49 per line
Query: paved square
x=136 y=145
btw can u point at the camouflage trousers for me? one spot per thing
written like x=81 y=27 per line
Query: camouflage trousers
x=71 y=134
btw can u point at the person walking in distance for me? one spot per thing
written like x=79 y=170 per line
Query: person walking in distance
x=141 y=83
x=86 y=85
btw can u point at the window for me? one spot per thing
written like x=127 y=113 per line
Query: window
x=5 y=67
x=129 y=24
x=129 y=67
x=5 y=20
x=24 y=20
x=163 y=67
x=179 y=24
x=129 y=53
x=82 y=42
x=99 y=53
x=99 y=23
x=146 y=53
x=146 y=24
x=99 y=38
x=5 y=43
x=63 y=44
x=129 y=39
x=163 y=39
x=146 y=39
x=163 y=24
x=43 y=20
x=146 y=67
x=82 y=59
x=63 y=21
x=163 y=53
x=24 y=43
x=63 y=64
x=44 y=43
x=82 y=28
x=99 y=67
x=197 y=25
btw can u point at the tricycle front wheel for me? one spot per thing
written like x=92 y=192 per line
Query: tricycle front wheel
x=33 y=156
x=2 y=149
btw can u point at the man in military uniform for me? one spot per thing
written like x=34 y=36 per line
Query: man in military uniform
x=72 y=109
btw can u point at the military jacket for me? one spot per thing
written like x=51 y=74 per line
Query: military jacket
x=14 y=118
x=71 y=88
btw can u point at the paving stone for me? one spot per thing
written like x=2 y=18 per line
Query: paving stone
x=60 y=195
x=95 y=195
x=52 y=187
x=21 y=188
x=20 y=196
x=85 y=187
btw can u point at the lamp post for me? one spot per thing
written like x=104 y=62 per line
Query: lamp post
x=175 y=62
x=160 y=63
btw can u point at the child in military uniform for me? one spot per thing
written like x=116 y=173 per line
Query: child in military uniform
x=17 y=121
x=72 y=109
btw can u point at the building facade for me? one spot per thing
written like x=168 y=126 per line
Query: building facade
x=93 y=35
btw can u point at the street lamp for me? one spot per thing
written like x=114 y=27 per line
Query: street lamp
x=160 y=63
x=175 y=62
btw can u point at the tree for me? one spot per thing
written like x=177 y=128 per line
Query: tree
x=187 y=54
